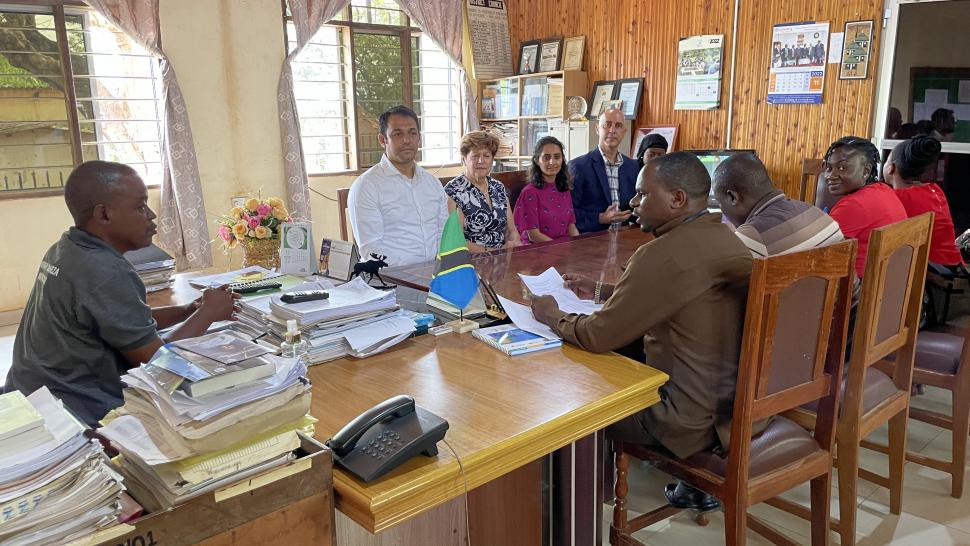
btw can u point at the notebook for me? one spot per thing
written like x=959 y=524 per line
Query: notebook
x=204 y=375
x=514 y=341
x=17 y=415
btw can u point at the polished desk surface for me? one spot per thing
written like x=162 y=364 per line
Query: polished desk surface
x=600 y=255
x=504 y=412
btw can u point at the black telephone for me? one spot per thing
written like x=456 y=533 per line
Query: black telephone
x=385 y=436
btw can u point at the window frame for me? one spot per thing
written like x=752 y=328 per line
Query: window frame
x=60 y=10
x=887 y=61
x=405 y=33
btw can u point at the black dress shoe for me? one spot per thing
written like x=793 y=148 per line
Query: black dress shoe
x=681 y=495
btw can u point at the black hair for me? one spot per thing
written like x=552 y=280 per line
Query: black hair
x=563 y=180
x=907 y=130
x=397 y=111
x=925 y=127
x=90 y=184
x=865 y=147
x=744 y=173
x=915 y=155
x=943 y=120
x=683 y=171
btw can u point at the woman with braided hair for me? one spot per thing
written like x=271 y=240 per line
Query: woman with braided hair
x=851 y=173
x=906 y=165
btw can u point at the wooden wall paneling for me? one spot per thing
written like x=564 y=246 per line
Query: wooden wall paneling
x=638 y=38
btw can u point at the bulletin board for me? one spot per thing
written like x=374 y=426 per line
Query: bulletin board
x=932 y=88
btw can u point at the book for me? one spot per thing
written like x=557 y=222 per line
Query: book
x=221 y=346
x=150 y=257
x=232 y=375
x=514 y=341
x=17 y=415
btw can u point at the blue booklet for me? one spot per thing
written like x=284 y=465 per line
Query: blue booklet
x=512 y=340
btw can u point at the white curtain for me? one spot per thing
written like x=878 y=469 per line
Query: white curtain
x=182 y=223
x=308 y=17
x=441 y=21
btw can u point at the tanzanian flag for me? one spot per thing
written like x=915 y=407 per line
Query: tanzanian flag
x=454 y=279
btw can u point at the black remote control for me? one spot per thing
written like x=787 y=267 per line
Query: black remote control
x=306 y=295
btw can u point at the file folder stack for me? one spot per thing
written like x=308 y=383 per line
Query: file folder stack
x=56 y=485
x=154 y=266
x=174 y=447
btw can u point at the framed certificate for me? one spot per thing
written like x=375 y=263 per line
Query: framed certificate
x=602 y=92
x=528 y=56
x=573 y=49
x=550 y=54
x=629 y=91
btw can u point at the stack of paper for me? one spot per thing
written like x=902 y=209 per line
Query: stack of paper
x=175 y=446
x=356 y=319
x=154 y=266
x=55 y=484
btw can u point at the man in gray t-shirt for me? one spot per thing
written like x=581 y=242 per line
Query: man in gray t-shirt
x=86 y=320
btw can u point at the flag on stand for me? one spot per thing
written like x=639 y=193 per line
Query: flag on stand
x=454 y=279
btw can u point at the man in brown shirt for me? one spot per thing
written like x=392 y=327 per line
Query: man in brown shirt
x=684 y=294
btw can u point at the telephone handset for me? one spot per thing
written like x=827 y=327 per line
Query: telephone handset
x=385 y=436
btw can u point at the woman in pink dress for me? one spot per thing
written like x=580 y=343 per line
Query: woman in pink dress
x=544 y=210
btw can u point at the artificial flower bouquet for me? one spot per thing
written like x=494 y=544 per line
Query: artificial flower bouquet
x=256 y=220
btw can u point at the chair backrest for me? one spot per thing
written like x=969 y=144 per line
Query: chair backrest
x=794 y=339
x=811 y=169
x=342 y=196
x=887 y=318
x=514 y=182
x=813 y=189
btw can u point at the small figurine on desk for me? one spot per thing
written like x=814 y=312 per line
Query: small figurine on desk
x=372 y=268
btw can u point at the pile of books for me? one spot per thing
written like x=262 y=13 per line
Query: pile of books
x=154 y=266
x=204 y=413
x=355 y=319
x=56 y=485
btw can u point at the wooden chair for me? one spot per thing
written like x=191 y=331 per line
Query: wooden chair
x=342 y=196
x=943 y=360
x=813 y=189
x=792 y=353
x=811 y=170
x=887 y=321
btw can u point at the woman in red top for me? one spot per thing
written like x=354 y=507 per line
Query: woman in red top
x=907 y=163
x=851 y=170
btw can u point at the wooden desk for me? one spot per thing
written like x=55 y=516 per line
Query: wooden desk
x=600 y=255
x=504 y=413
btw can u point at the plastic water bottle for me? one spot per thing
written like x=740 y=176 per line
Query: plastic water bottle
x=294 y=346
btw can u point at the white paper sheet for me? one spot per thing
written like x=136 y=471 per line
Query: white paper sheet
x=836 y=41
x=366 y=336
x=550 y=283
x=523 y=318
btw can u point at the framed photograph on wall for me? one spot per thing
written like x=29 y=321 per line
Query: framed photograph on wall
x=572 y=58
x=629 y=91
x=550 y=54
x=669 y=132
x=856 y=46
x=602 y=92
x=528 y=56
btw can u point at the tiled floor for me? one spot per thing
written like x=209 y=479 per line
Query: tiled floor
x=930 y=515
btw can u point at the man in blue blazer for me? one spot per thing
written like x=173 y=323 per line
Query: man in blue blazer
x=604 y=179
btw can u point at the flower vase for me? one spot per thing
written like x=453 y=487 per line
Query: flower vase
x=262 y=252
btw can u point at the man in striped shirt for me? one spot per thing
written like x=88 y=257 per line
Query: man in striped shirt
x=766 y=220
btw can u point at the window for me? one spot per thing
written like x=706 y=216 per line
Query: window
x=369 y=58
x=101 y=102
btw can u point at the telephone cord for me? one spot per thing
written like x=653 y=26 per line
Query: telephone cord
x=461 y=470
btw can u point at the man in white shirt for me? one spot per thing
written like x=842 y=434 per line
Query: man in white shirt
x=398 y=209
